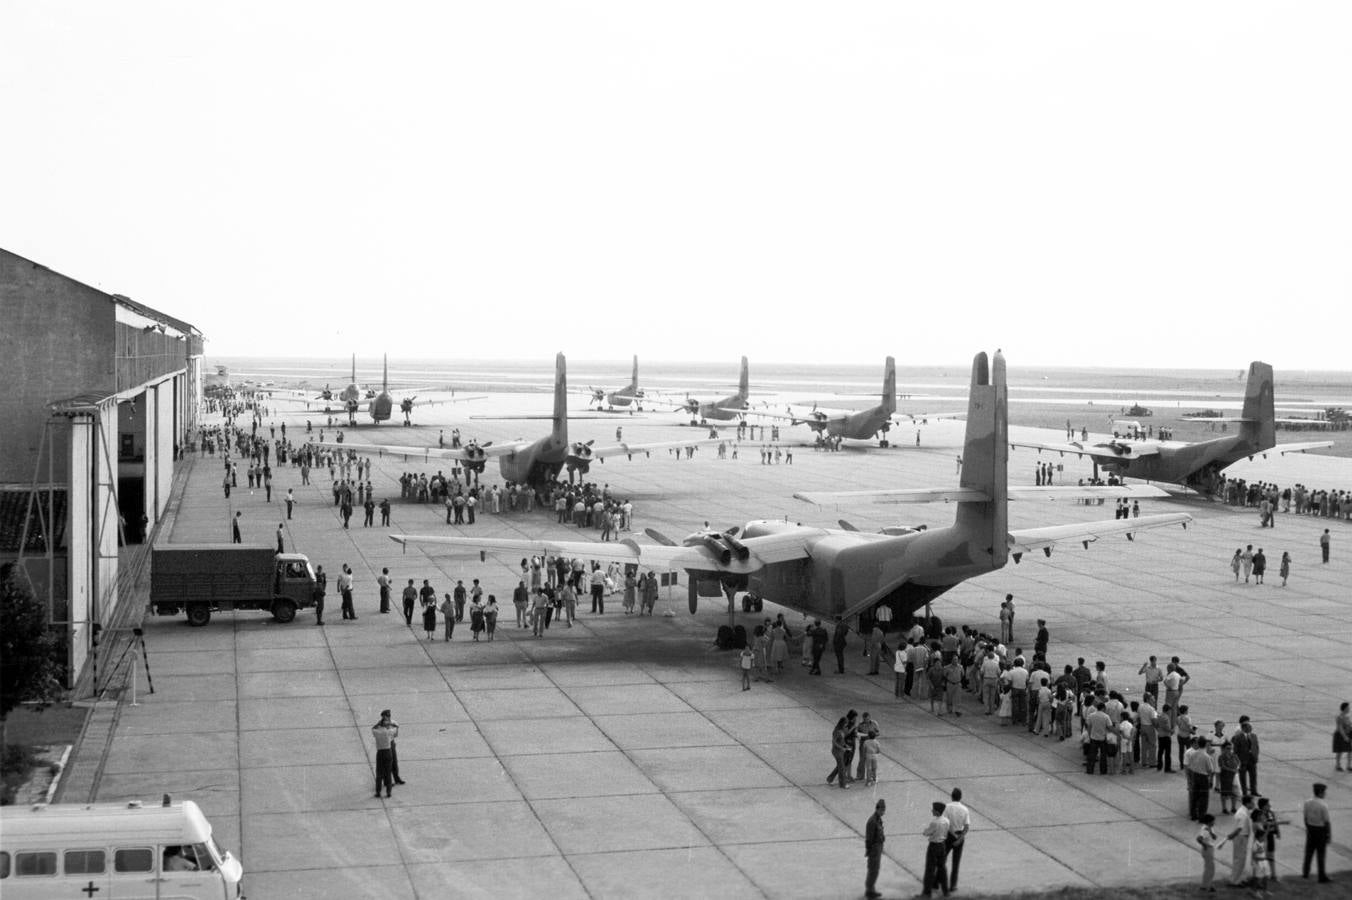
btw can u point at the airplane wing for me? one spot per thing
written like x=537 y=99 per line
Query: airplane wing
x=629 y=449
x=1301 y=448
x=761 y=551
x=437 y=401
x=461 y=453
x=1028 y=539
x=1113 y=450
x=1015 y=492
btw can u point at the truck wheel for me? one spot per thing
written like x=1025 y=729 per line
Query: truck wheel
x=284 y=610
x=199 y=614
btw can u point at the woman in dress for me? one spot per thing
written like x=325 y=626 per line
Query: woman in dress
x=476 y=619
x=1235 y=563
x=430 y=616
x=630 y=593
x=779 y=646
x=1285 y=570
x=1342 y=738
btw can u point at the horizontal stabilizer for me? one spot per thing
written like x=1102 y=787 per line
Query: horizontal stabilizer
x=1301 y=448
x=902 y=495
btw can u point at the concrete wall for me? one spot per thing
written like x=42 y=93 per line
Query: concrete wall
x=57 y=342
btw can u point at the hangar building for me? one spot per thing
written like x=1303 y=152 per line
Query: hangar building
x=98 y=394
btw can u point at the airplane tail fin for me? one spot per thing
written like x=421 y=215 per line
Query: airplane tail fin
x=890 y=386
x=354 y=368
x=985 y=460
x=1260 y=425
x=560 y=399
x=385 y=378
x=744 y=382
x=633 y=379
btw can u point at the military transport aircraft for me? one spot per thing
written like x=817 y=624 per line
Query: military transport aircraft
x=859 y=425
x=381 y=403
x=529 y=462
x=829 y=572
x=733 y=407
x=630 y=393
x=1194 y=465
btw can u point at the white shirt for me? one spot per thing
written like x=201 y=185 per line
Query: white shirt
x=959 y=818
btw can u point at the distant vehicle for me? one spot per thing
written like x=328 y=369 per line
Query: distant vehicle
x=200 y=578
x=1196 y=465
x=114 y=850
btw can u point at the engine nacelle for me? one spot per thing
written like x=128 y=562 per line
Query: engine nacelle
x=715 y=545
x=737 y=547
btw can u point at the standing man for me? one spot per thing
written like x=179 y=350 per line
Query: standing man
x=520 y=597
x=598 y=590
x=384 y=733
x=410 y=598
x=345 y=589
x=385 y=511
x=1323 y=543
x=1005 y=614
x=317 y=594
x=1318 y=832
x=1153 y=677
x=290 y=499
x=819 y=637
x=874 y=838
x=427 y=595
x=959 y=823
x=838 y=639
x=281 y=547
x=1043 y=638
x=936 y=834
x=234 y=529
x=384 y=582
x=1245 y=745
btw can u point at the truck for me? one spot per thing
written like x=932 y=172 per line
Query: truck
x=200 y=578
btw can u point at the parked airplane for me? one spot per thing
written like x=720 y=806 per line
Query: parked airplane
x=531 y=462
x=380 y=405
x=1195 y=465
x=630 y=393
x=830 y=572
x=733 y=407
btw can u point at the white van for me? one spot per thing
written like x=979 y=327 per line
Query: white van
x=114 y=851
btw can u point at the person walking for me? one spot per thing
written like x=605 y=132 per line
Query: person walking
x=1324 y=545
x=235 y=537
x=936 y=849
x=1342 y=737
x=838 y=641
x=840 y=737
x=819 y=639
x=429 y=614
x=410 y=598
x=1284 y=569
x=448 y=616
x=874 y=838
x=1318 y=831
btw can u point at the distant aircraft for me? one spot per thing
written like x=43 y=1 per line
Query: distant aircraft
x=630 y=393
x=381 y=403
x=733 y=407
x=530 y=462
x=860 y=425
x=1194 y=465
x=829 y=572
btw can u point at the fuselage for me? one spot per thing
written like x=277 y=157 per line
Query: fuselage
x=1187 y=464
x=381 y=407
x=540 y=462
x=860 y=426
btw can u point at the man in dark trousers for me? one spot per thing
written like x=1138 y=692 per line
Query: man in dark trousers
x=838 y=644
x=1318 y=832
x=936 y=849
x=959 y=823
x=819 y=637
x=234 y=529
x=281 y=547
x=321 y=585
x=874 y=837
x=410 y=598
x=384 y=732
x=1245 y=745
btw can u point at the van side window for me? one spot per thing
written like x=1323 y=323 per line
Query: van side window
x=4 y=864
x=84 y=862
x=140 y=859
x=41 y=862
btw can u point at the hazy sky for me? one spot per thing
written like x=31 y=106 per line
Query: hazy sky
x=1149 y=184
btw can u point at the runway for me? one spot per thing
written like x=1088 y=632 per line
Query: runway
x=621 y=759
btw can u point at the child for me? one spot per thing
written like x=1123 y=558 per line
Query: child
x=1206 y=837
x=1260 y=864
x=1128 y=731
x=1006 y=710
x=747 y=656
x=870 y=749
